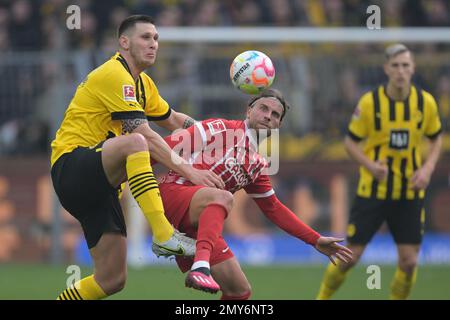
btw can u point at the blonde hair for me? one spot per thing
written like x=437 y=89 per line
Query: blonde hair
x=394 y=50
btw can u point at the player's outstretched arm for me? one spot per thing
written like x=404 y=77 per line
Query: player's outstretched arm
x=279 y=214
x=284 y=218
x=330 y=247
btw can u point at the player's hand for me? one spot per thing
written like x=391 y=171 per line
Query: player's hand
x=206 y=178
x=420 y=178
x=330 y=247
x=379 y=170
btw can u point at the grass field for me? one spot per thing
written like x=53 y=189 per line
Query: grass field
x=274 y=282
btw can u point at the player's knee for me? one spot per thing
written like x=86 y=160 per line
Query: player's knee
x=408 y=264
x=136 y=143
x=224 y=198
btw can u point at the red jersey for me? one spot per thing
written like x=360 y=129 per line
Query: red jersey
x=229 y=149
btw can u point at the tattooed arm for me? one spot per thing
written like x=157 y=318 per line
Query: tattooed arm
x=176 y=120
x=128 y=125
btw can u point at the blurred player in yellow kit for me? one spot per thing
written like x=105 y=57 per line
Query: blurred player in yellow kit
x=392 y=119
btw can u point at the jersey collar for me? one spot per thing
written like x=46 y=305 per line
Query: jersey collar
x=122 y=60
x=411 y=86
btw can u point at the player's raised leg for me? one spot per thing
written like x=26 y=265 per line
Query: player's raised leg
x=406 y=273
x=208 y=209
x=335 y=274
x=128 y=156
x=232 y=280
x=110 y=271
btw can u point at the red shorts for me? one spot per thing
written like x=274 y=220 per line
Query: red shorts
x=177 y=199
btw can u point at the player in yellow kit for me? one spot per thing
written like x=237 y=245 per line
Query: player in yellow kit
x=105 y=140
x=392 y=119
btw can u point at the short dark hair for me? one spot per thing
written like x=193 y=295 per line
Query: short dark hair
x=271 y=93
x=131 y=21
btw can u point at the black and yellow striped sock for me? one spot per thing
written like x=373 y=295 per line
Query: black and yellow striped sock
x=145 y=190
x=401 y=284
x=85 y=289
x=332 y=280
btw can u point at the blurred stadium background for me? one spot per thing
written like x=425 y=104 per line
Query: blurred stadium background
x=42 y=62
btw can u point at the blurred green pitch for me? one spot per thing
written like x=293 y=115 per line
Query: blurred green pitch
x=272 y=282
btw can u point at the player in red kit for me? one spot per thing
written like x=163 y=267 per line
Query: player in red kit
x=229 y=148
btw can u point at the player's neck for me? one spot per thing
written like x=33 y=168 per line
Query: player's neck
x=135 y=71
x=396 y=93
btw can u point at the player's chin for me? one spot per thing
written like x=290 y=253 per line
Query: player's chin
x=149 y=61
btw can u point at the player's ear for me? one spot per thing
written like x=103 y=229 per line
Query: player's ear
x=385 y=68
x=124 y=42
x=249 y=108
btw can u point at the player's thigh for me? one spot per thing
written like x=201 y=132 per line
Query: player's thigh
x=115 y=152
x=80 y=182
x=176 y=200
x=229 y=275
x=406 y=221
x=366 y=217
x=205 y=196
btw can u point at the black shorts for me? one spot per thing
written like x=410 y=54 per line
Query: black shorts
x=405 y=220
x=84 y=191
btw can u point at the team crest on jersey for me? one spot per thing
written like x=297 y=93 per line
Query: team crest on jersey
x=216 y=126
x=128 y=93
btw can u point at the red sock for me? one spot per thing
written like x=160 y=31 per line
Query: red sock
x=210 y=225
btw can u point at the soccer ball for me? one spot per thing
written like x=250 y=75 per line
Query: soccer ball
x=252 y=71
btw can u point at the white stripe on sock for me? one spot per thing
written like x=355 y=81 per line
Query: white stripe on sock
x=200 y=264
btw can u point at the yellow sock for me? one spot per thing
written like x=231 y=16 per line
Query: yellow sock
x=401 y=284
x=85 y=289
x=331 y=281
x=145 y=190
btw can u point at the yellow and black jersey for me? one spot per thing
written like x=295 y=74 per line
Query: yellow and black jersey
x=107 y=95
x=393 y=131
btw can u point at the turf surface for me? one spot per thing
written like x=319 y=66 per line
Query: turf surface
x=273 y=282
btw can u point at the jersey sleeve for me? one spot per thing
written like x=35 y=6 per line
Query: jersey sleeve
x=284 y=218
x=261 y=188
x=156 y=108
x=116 y=90
x=433 y=125
x=359 y=123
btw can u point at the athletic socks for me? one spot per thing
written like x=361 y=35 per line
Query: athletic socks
x=332 y=280
x=85 y=289
x=145 y=190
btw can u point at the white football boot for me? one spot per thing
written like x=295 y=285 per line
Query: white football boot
x=178 y=245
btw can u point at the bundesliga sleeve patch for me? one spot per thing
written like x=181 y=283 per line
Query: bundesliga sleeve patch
x=357 y=113
x=216 y=126
x=128 y=93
